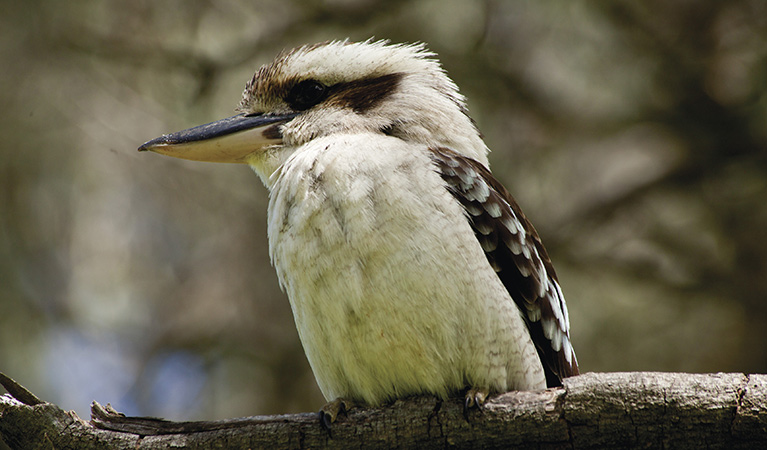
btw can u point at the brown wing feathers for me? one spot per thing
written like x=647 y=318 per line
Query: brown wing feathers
x=515 y=251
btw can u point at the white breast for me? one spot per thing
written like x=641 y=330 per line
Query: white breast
x=391 y=292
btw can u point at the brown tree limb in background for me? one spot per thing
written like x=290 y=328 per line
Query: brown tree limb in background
x=595 y=410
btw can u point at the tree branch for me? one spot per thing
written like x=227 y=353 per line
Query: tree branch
x=595 y=410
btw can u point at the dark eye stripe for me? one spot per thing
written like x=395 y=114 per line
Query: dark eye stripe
x=359 y=95
x=362 y=95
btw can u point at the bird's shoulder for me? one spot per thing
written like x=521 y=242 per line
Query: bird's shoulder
x=515 y=251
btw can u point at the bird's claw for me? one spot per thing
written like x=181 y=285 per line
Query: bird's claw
x=474 y=398
x=331 y=410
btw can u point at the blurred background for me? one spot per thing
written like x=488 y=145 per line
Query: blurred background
x=633 y=134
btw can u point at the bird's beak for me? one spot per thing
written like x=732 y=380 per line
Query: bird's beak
x=229 y=140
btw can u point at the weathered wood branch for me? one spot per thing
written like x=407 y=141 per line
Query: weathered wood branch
x=595 y=410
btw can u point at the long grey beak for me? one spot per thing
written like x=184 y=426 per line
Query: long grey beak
x=229 y=140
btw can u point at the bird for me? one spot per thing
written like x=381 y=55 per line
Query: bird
x=409 y=268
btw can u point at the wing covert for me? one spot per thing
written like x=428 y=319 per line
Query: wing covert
x=514 y=250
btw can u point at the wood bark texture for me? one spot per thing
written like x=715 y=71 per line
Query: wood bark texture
x=594 y=410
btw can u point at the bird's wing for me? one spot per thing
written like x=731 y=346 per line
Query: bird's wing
x=515 y=251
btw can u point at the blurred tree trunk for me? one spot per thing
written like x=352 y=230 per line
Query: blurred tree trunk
x=595 y=410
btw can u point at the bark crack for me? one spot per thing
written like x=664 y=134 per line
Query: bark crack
x=741 y=394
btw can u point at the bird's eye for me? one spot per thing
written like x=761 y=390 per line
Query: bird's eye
x=306 y=94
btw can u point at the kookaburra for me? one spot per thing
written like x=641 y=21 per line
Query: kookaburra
x=409 y=268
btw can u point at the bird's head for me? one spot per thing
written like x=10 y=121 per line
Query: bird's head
x=334 y=88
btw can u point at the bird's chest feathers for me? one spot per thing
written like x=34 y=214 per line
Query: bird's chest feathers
x=345 y=230
x=336 y=211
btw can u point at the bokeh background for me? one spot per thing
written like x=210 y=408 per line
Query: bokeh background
x=633 y=134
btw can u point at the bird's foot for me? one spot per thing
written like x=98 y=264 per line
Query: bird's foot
x=330 y=411
x=474 y=398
